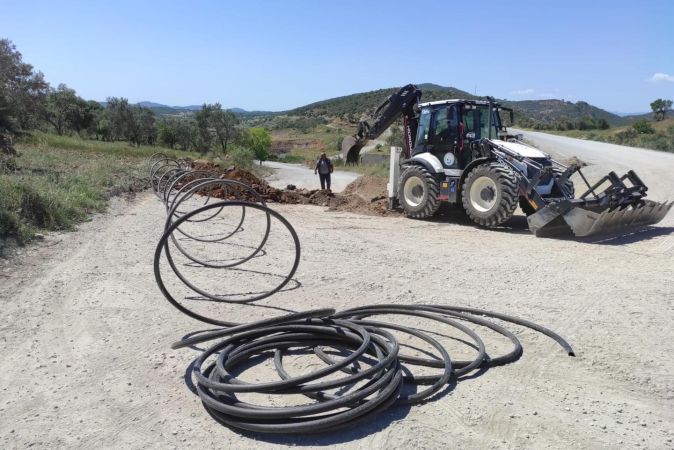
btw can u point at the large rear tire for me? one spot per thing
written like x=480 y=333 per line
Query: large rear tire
x=489 y=194
x=418 y=193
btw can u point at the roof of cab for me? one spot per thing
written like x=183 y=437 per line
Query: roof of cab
x=456 y=100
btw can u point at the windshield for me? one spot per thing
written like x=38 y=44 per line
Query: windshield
x=483 y=112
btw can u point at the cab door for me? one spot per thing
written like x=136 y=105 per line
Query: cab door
x=445 y=139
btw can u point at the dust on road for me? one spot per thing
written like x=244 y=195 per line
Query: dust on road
x=86 y=333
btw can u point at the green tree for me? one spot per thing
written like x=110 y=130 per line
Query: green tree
x=22 y=96
x=259 y=141
x=142 y=129
x=242 y=158
x=660 y=108
x=65 y=110
x=120 y=117
x=101 y=128
x=204 y=136
x=213 y=121
x=167 y=131
x=83 y=117
x=187 y=134
x=643 y=127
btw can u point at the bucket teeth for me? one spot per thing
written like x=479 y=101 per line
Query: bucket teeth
x=582 y=222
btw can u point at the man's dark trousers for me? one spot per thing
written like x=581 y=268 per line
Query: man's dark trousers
x=325 y=179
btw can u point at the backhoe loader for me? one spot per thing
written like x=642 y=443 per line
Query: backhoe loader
x=459 y=152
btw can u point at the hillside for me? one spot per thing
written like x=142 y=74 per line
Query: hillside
x=550 y=111
x=352 y=107
x=365 y=102
x=545 y=111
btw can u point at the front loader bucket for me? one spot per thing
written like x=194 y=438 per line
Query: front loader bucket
x=568 y=217
x=351 y=149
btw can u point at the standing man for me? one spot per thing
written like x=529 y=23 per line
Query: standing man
x=324 y=169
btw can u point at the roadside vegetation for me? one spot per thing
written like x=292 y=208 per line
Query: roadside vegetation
x=60 y=180
x=62 y=157
x=644 y=133
x=655 y=132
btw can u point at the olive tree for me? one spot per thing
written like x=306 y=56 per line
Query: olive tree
x=22 y=94
x=660 y=108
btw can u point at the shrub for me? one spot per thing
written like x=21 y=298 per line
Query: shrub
x=643 y=127
x=625 y=136
x=242 y=158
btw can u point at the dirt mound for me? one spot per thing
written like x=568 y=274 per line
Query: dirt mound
x=368 y=187
x=365 y=195
x=575 y=160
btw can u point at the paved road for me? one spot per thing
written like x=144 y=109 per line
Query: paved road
x=655 y=168
x=303 y=177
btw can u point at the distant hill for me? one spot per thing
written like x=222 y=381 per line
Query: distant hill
x=631 y=118
x=352 y=107
x=548 y=111
x=630 y=114
x=166 y=110
x=366 y=102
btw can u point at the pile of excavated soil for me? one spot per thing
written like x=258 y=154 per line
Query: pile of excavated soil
x=365 y=195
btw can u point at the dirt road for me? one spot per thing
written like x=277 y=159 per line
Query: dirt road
x=85 y=358
x=303 y=177
x=655 y=166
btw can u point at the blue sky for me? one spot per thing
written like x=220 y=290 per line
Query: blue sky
x=276 y=55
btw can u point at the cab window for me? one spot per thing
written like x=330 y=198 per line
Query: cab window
x=424 y=124
x=446 y=126
x=441 y=127
x=484 y=123
x=469 y=121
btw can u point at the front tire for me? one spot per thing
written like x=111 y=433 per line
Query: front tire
x=418 y=193
x=489 y=194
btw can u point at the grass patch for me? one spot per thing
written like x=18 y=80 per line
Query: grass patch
x=60 y=180
x=375 y=170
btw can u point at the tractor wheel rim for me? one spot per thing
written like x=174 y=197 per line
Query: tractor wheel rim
x=414 y=191
x=483 y=194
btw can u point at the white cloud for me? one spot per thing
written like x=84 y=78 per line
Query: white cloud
x=658 y=77
x=523 y=92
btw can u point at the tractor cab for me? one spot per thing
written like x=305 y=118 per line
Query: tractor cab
x=452 y=129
